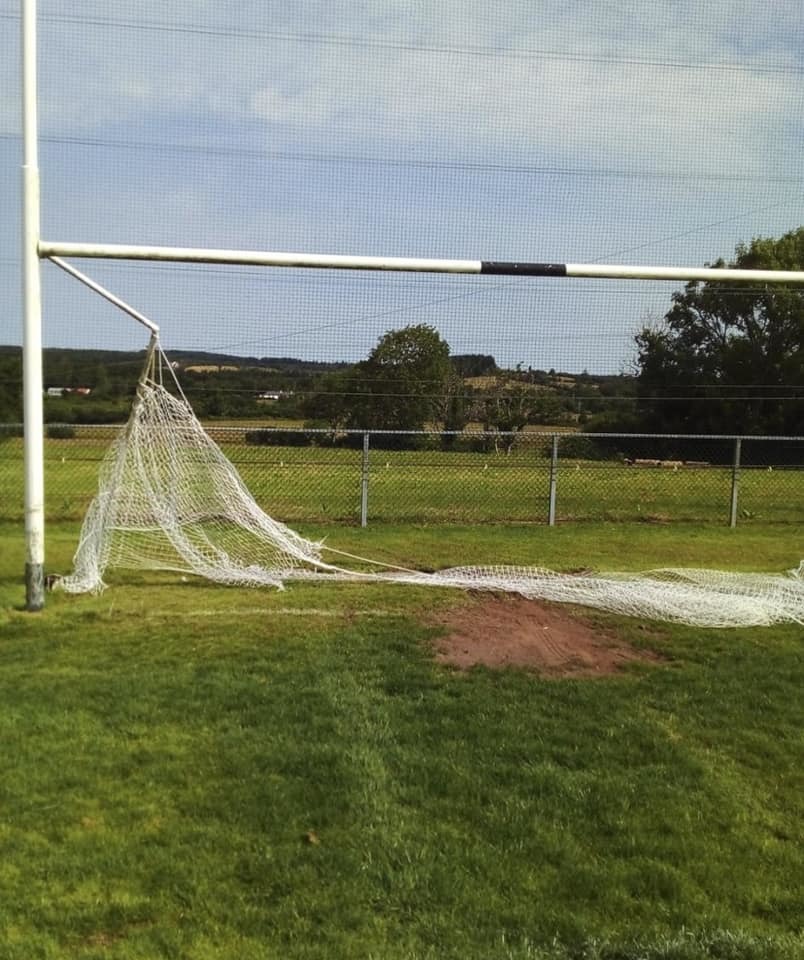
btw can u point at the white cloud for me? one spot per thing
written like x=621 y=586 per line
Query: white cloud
x=306 y=108
x=461 y=75
x=530 y=109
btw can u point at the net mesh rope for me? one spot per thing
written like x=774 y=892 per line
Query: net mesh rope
x=169 y=499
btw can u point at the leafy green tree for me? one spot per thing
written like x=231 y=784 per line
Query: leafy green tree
x=728 y=358
x=333 y=400
x=9 y=406
x=474 y=364
x=456 y=407
x=10 y=385
x=512 y=405
x=101 y=385
x=404 y=382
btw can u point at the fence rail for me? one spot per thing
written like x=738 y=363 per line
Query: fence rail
x=468 y=477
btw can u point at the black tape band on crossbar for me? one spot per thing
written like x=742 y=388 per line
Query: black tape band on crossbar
x=512 y=268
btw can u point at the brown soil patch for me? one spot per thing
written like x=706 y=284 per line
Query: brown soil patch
x=511 y=631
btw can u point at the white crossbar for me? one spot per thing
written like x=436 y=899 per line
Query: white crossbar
x=107 y=251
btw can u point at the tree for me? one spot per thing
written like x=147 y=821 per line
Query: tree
x=513 y=405
x=474 y=364
x=728 y=358
x=333 y=400
x=101 y=385
x=404 y=382
x=10 y=385
x=456 y=406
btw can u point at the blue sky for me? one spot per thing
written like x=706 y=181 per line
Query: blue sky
x=624 y=132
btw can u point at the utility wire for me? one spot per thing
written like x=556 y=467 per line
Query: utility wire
x=466 y=50
x=413 y=163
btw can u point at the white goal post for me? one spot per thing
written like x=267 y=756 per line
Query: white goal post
x=34 y=249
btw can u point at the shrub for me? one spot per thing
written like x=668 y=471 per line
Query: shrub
x=9 y=430
x=277 y=437
x=60 y=431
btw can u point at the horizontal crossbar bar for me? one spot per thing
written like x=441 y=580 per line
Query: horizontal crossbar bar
x=106 y=251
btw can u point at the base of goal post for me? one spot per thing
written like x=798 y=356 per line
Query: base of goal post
x=34 y=587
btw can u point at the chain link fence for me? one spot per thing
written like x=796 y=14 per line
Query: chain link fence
x=434 y=477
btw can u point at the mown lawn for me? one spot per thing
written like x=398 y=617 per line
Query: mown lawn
x=205 y=772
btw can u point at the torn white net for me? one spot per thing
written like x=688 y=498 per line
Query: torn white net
x=169 y=499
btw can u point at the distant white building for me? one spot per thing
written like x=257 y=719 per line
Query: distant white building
x=270 y=395
x=62 y=391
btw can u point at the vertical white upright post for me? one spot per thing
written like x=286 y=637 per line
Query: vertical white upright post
x=32 y=323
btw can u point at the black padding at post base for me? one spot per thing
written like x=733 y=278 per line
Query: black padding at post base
x=510 y=268
x=34 y=587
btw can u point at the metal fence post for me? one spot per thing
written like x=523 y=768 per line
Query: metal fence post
x=735 y=482
x=551 y=513
x=364 y=481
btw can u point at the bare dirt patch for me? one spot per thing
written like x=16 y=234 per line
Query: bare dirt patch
x=511 y=631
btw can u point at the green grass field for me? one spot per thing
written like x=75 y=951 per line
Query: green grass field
x=193 y=771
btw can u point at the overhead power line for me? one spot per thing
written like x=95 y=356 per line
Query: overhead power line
x=413 y=163
x=466 y=50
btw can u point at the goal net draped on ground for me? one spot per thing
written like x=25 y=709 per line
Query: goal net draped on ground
x=169 y=499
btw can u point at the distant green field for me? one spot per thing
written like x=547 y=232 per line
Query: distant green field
x=198 y=771
x=324 y=484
